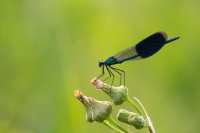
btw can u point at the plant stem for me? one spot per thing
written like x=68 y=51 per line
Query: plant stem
x=149 y=122
x=111 y=120
x=111 y=126
x=132 y=103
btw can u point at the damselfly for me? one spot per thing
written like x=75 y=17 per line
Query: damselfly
x=145 y=48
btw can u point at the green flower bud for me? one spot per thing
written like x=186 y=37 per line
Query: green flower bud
x=117 y=93
x=95 y=110
x=131 y=118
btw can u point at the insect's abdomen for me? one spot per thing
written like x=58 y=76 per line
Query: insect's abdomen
x=151 y=44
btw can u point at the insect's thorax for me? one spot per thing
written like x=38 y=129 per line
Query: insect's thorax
x=110 y=61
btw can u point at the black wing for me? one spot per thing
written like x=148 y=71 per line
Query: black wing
x=144 y=48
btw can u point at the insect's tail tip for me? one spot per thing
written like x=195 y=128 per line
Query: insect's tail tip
x=171 y=39
x=176 y=37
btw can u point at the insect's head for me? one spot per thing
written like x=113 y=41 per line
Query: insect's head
x=101 y=64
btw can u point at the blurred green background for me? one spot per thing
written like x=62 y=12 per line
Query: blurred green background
x=48 y=48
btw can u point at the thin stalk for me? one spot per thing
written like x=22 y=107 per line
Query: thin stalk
x=111 y=126
x=111 y=120
x=132 y=103
x=149 y=121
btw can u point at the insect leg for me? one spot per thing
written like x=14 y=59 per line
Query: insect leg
x=103 y=72
x=106 y=78
x=108 y=74
x=112 y=75
x=120 y=71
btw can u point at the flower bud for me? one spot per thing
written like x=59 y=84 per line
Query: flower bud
x=95 y=110
x=117 y=93
x=131 y=118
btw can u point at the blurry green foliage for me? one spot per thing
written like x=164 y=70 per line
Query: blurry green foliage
x=48 y=48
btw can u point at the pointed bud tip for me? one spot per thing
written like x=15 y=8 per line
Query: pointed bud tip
x=93 y=80
x=77 y=93
x=97 y=83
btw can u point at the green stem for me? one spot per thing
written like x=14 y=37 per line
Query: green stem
x=150 y=124
x=111 y=126
x=132 y=103
x=111 y=120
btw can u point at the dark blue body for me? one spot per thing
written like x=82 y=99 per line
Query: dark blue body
x=111 y=61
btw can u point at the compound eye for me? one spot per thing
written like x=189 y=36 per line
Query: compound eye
x=100 y=64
